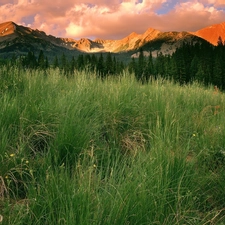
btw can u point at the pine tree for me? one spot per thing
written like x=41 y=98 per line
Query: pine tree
x=46 y=62
x=132 y=66
x=149 y=68
x=100 y=66
x=194 y=67
x=87 y=59
x=56 y=62
x=80 y=62
x=72 y=65
x=159 y=68
x=64 y=65
x=121 y=67
x=200 y=74
x=218 y=71
x=94 y=61
x=41 y=60
x=181 y=72
x=31 y=61
x=108 y=64
x=220 y=41
x=140 y=69
x=173 y=68
x=114 y=66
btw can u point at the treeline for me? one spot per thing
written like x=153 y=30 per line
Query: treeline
x=202 y=62
x=101 y=64
x=190 y=62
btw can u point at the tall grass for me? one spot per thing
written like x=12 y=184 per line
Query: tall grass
x=80 y=150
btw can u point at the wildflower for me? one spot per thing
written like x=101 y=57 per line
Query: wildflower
x=94 y=166
x=12 y=155
x=193 y=135
x=6 y=177
x=27 y=161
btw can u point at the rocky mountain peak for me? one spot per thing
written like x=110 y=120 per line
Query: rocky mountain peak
x=7 y=28
x=212 y=33
x=150 y=34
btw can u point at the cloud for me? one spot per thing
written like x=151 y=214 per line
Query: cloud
x=111 y=19
x=217 y=3
x=194 y=15
x=6 y=1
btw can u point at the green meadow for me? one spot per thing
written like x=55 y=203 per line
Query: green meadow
x=81 y=150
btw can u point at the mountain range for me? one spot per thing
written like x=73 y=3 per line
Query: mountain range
x=17 y=39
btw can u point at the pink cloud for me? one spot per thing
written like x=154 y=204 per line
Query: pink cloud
x=111 y=19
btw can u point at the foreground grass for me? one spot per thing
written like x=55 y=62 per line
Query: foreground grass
x=84 y=151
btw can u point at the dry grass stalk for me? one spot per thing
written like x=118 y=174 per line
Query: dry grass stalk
x=3 y=189
x=131 y=143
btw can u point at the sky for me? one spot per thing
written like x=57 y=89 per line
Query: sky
x=111 y=19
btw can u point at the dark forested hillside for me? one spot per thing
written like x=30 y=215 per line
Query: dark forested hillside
x=202 y=62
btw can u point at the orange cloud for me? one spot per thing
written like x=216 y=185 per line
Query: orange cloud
x=111 y=19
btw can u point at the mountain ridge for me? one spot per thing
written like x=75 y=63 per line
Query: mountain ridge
x=14 y=36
